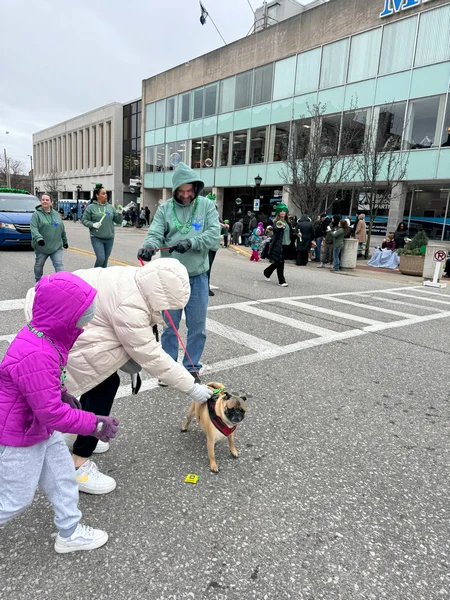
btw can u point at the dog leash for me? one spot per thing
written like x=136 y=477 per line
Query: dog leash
x=172 y=324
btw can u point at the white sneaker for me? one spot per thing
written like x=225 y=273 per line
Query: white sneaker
x=91 y=481
x=283 y=284
x=266 y=278
x=70 y=438
x=83 y=538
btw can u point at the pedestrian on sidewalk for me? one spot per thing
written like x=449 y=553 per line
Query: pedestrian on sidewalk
x=338 y=244
x=305 y=238
x=189 y=224
x=255 y=244
x=48 y=237
x=281 y=239
x=123 y=335
x=237 y=231
x=100 y=217
x=147 y=215
x=225 y=232
x=35 y=407
x=361 y=235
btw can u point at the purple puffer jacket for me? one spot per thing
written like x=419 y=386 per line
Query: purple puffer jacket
x=30 y=389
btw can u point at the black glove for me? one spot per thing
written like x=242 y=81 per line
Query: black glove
x=106 y=428
x=146 y=253
x=70 y=400
x=65 y=246
x=41 y=243
x=181 y=247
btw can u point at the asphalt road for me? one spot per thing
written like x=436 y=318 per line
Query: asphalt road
x=341 y=487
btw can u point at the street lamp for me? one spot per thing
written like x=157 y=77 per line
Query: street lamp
x=79 y=188
x=258 y=181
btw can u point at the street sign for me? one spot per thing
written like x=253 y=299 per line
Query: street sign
x=132 y=190
x=256 y=204
x=135 y=182
x=439 y=256
x=238 y=201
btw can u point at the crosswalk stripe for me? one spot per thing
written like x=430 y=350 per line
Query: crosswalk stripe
x=422 y=306
x=405 y=322
x=17 y=304
x=7 y=338
x=428 y=292
x=239 y=337
x=327 y=311
x=388 y=311
x=415 y=297
x=321 y=331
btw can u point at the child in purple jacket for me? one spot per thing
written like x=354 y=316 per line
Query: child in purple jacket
x=35 y=407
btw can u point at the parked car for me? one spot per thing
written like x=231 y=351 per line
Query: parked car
x=16 y=211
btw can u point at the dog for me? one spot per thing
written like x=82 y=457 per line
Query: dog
x=218 y=417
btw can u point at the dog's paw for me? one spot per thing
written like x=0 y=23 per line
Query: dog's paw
x=214 y=468
x=234 y=453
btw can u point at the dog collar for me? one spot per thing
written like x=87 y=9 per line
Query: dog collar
x=216 y=420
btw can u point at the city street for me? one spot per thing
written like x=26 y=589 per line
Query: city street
x=341 y=487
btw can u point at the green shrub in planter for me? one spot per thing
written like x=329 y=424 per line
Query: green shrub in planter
x=416 y=247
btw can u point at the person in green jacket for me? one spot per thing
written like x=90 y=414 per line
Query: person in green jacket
x=100 y=217
x=48 y=237
x=187 y=223
x=338 y=244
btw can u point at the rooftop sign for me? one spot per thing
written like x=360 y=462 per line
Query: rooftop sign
x=394 y=6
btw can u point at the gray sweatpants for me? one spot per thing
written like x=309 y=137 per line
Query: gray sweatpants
x=47 y=465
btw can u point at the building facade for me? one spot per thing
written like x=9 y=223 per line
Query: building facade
x=228 y=113
x=71 y=157
x=131 y=151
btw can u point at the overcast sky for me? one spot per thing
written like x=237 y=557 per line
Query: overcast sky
x=61 y=58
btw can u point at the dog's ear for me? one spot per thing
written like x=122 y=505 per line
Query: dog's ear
x=244 y=398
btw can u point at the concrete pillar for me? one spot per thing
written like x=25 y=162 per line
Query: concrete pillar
x=287 y=199
x=348 y=254
x=219 y=192
x=166 y=194
x=151 y=199
x=397 y=206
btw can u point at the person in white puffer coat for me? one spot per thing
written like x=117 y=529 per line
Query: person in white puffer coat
x=123 y=334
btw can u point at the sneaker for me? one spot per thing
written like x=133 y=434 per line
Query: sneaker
x=70 y=438
x=102 y=447
x=162 y=384
x=91 y=481
x=283 y=284
x=321 y=266
x=83 y=538
x=266 y=278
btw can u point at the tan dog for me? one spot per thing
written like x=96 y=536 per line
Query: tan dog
x=218 y=418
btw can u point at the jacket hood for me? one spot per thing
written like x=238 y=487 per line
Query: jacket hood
x=184 y=174
x=59 y=302
x=304 y=218
x=40 y=208
x=164 y=283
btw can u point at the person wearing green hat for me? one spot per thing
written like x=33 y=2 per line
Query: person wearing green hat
x=225 y=231
x=281 y=237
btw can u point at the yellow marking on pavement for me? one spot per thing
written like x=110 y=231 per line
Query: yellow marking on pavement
x=113 y=260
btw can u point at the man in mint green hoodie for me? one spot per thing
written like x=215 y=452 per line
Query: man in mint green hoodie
x=188 y=224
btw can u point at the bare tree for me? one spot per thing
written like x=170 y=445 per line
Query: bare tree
x=320 y=157
x=382 y=165
x=18 y=174
x=52 y=186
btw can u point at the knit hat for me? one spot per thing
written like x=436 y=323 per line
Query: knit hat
x=226 y=221
x=281 y=208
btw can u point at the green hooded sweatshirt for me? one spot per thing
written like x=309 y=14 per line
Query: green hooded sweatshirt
x=47 y=227
x=204 y=232
x=94 y=213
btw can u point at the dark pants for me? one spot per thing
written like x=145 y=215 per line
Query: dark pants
x=212 y=256
x=279 y=266
x=302 y=258
x=99 y=401
x=225 y=241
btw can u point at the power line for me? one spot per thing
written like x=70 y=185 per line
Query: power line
x=251 y=7
x=209 y=15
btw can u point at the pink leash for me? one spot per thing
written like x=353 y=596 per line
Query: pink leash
x=169 y=318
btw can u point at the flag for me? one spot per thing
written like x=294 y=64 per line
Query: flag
x=203 y=14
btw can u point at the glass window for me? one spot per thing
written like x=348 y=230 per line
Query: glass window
x=171 y=111
x=208 y=152
x=150 y=117
x=329 y=139
x=243 y=95
x=210 y=100
x=262 y=84
x=127 y=110
x=364 y=55
x=223 y=150
x=160 y=114
x=353 y=132
x=134 y=125
x=432 y=42
x=197 y=103
x=421 y=123
x=397 y=46
x=126 y=128
x=302 y=133
x=284 y=81
x=258 y=145
x=175 y=153
x=308 y=69
x=227 y=93
x=281 y=145
x=139 y=115
x=160 y=157
x=239 y=147
x=390 y=126
x=185 y=102
x=334 y=64
x=445 y=141
x=196 y=153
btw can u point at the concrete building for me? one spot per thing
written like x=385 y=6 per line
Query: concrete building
x=73 y=156
x=228 y=113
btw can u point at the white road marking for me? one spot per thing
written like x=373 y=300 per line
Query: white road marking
x=321 y=331
x=12 y=304
x=239 y=337
x=7 y=338
x=404 y=323
x=416 y=297
x=395 y=301
x=427 y=292
x=388 y=311
x=328 y=311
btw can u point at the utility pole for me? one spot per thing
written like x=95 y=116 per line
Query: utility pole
x=8 y=174
x=32 y=173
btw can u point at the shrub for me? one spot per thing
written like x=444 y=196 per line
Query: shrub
x=417 y=246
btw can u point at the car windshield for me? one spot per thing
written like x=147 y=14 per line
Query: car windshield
x=17 y=203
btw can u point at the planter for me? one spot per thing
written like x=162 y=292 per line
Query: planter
x=411 y=265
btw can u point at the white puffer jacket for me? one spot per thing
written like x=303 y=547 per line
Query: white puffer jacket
x=129 y=304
